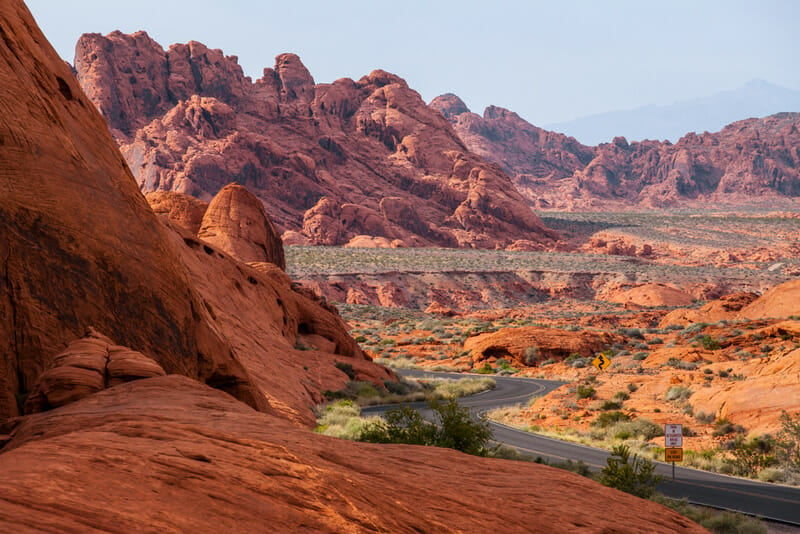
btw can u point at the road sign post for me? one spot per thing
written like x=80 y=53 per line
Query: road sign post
x=673 y=445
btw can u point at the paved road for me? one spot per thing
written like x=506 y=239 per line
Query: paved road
x=771 y=501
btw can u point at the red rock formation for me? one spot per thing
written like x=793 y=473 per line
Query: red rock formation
x=531 y=345
x=87 y=366
x=183 y=210
x=529 y=154
x=79 y=246
x=748 y=159
x=160 y=291
x=168 y=453
x=330 y=161
x=236 y=223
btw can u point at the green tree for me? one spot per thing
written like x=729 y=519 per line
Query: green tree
x=629 y=473
x=787 y=443
x=750 y=457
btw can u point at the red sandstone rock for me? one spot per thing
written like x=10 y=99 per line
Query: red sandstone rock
x=183 y=210
x=87 y=366
x=533 y=344
x=236 y=223
x=80 y=247
x=168 y=453
x=747 y=159
x=330 y=161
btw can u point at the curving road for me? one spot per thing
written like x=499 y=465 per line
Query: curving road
x=770 y=501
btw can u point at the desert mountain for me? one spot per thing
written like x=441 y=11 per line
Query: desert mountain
x=331 y=162
x=126 y=333
x=756 y=98
x=747 y=161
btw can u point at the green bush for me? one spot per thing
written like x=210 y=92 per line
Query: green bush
x=709 y=343
x=454 y=429
x=787 y=443
x=629 y=473
x=487 y=369
x=586 y=392
x=751 y=456
x=608 y=418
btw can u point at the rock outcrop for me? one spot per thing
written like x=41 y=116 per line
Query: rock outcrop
x=80 y=248
x=88 y=365
x=183 y=210
x=532 y=345
x=331 y=162
x=747 y=160
x=236 y=223
x=79 y=245
x=169 y=453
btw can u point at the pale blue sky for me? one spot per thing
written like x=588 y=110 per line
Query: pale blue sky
x=548 y=61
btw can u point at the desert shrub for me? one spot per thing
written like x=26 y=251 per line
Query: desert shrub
x=632 y=387
x=549 y=361
x=633 y=333
x=610 y=405
x=723 y=427
x=585 y=392
x=714 y=520
x=643 y=429
x=580 y=363
x=530 y=356
x=703 y=417
x=709 y=343
x=694 y=328
x=454 y=428
x=341 y=419
x=621 y=396
x=751 y=456
x=607 y=419
x=639 y=356
x=487 y=369
x=655 y=341
x=629 y=473
x=677 y=393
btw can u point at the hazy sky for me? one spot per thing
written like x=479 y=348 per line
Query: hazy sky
x=548 y=61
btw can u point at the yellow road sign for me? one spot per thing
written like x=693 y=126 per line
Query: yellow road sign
x=601 y=361
x=673 y=454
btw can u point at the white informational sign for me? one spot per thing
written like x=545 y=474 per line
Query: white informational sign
x=673 y=435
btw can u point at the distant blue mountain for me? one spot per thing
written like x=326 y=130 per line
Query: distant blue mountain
x=756 y=98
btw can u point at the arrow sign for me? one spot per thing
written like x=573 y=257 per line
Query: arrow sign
x=601 y=361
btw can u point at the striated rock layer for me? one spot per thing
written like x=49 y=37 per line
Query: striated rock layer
x=331 y=162
x=169 y=454
x=747 y=161
x=81 y=248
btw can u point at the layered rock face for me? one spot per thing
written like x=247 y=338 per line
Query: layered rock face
x=80 y=248
x=746 y=161
x=332 y=163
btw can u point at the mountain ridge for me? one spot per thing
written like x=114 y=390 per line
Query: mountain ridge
x=754 y=99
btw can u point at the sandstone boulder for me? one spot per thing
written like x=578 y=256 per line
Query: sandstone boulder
x=237 y=223
x=88 y=365
x=534 y=344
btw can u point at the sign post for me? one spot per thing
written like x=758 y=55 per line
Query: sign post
x=673 y=445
